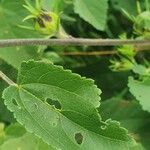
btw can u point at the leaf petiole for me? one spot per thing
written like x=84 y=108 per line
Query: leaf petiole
x=6 y=79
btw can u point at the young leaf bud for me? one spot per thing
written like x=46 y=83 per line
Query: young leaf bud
x=47 y=23
x=127 y=51
x=122 y=65
x=142 y=23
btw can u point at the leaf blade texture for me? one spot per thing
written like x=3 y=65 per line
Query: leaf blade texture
x=61 y=108
x=141 y=91
x=94 y=12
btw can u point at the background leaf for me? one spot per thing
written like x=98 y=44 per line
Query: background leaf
x=5 y=115
x=130 y=115
x=11 y=15
x=17 y=138
x=141 y=90
x=127 y=5
x=94 y=12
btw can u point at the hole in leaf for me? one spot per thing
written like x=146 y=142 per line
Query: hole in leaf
x=79 y=138
x=54 y=103
x=14 y=102
x=54 y=124
x=36 y=105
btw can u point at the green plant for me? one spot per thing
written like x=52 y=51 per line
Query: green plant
x=46 y=106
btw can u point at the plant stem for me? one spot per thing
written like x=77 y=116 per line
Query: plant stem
x=62 y=34
x=6 y=79
x=96 y=53
x=93 y=53
x=72 y=41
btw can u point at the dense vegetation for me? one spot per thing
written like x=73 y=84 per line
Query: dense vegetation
x=75 y=97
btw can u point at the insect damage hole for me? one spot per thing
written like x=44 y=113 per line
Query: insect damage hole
x=78 y=138
x=14 y=102
x=54 y=103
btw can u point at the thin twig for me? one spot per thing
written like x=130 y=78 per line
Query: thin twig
x=72 y=41
x=93 y=53
x=6 y=79
x=96 y=53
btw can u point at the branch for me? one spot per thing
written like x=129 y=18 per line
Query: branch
x=97 y=53
x=6 y=79
x=72 y=41
x=93 y=53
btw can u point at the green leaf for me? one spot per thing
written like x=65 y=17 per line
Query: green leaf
x=2 y=133
x=141 y=90
x=140 y=69
x=26 y=142
x=127 y=5
x=5 y=114
x=16 y=138
x=128 y=113
x=11 y=15
x=94 y=12
x=60 y=107
x=131 y=116
x=53 y=5
x=14 y=130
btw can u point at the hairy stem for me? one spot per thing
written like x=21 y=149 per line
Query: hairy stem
x=73 y=41
x=6 y=79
